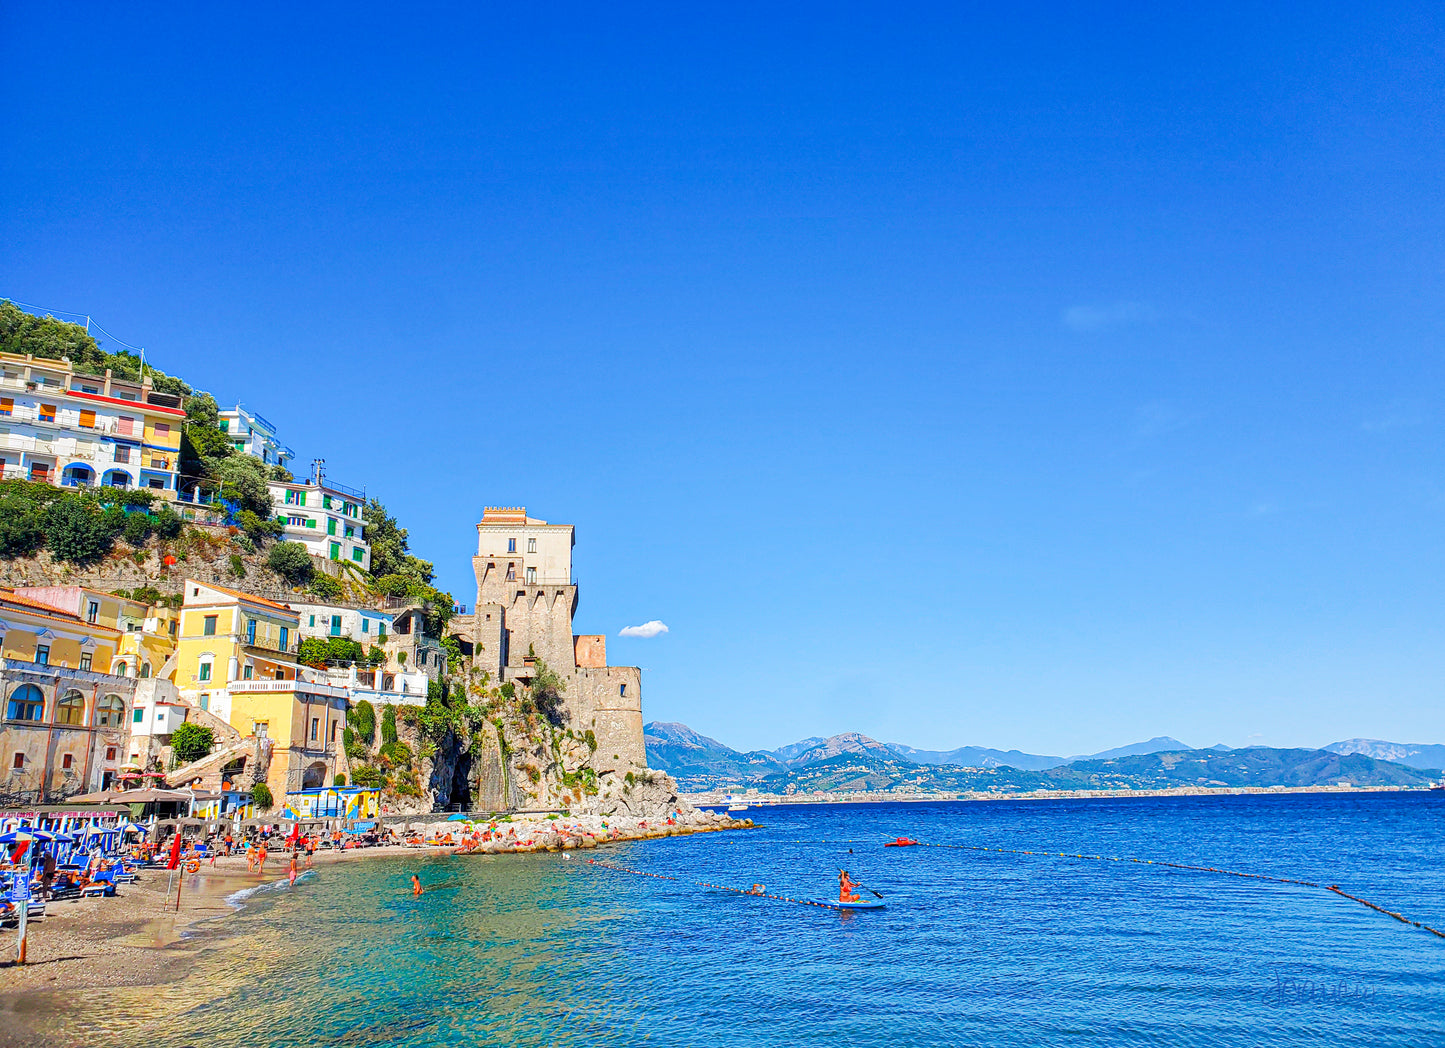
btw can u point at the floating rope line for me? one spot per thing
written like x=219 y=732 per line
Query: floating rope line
x=719 y=887
x=1169 y=865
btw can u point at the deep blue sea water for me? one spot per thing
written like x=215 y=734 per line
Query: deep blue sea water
x=975 y=948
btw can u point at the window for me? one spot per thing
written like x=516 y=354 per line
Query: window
x=225 y=425
x=300 y=498
x=290 y=497
x=331 y=525
x=284 y=634
x=162 y=433
x=209 y=629
x=531 y=545
x=85 y=660
x=42 y=655
x=357 y=554
x=511 y=545
x=350 y=532
x=310 y=523
x=92 y=611
x=511 y=572
x=125 y=426
x=336 y=625
x=205 y=671
x=137 y=716
x=110 y=753
x=7 y=405
x=315 y=728
x=313 y=621
x=110 y=711
x=87 y=419
x=205 y=701
x=333 y=730
x=365 y=625
x=27 y=703
x=66 y=761
x=622 y=689
x=250 y=631
x=19 y=761
x=336 y=551
x=246 y=672
x=325 y=501
x=46 y=413
x=531 y=576
x=260 y=728
x=122 y=453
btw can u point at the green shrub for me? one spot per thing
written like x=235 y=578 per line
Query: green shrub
x=22 y=526
x=340 y=780
x=74 y=531
x=291 y=561
x=261 y=794
x=257 y=528
x=238 y=566
x=324 y=586
x=191 y=742
x=137 y=527
x=388 y=723
x=397 y=754
x=166 y=522
x=362 y=717
x=366 y=775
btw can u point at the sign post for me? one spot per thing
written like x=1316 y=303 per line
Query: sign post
x=19 y=894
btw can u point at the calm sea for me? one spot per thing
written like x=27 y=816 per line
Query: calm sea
x=975 y=948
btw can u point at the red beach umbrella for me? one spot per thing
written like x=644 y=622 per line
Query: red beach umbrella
x=175 y=859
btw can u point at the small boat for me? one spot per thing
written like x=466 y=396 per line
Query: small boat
x=901 y=842
x=735 y=803
x=861 y=904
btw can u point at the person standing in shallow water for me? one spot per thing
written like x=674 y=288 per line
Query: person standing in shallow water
x=415 y=885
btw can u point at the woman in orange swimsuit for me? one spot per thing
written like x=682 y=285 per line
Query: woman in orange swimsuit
x=846 y=885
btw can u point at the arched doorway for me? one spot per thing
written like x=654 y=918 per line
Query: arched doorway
x=116 y=478
x=77 y=475
x=314 y=776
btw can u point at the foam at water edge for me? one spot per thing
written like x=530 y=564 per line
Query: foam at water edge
x=236 y=900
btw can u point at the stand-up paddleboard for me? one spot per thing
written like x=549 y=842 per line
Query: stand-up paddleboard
x=861 y=904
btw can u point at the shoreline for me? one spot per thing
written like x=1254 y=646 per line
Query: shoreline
x=718 y=798
x=136 y=939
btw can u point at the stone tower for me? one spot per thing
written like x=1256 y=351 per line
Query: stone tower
x=525 y=602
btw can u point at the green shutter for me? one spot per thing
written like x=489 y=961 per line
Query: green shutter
x=331 y=525
x=336 y=551
x=356 y=555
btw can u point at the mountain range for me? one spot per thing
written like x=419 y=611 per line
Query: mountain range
x=852 y=761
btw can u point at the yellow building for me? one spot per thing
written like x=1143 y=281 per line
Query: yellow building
x=226 y=636
x=65 y=719
x=147 y=633
x=236 y=657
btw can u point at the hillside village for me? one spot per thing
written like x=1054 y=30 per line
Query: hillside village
x=178 y=609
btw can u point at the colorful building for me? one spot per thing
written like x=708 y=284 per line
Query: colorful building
x=148 y=633
x=65 y=722
x=227 y=637
x=304 y=720
x=65 y=427
x=334 y=802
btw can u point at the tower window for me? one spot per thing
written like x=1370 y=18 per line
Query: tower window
x=511 y=545
x=622 y=689
x=531 y=545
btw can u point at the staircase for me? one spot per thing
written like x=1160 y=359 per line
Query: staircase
x=208 y=768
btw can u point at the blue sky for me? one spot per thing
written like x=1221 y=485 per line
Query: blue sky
x=1015 y=376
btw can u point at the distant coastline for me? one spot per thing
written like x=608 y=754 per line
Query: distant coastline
x=715 y=798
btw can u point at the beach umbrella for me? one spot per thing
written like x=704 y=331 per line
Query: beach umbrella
x=175 y=857
x=459 y=817
x=25 y=836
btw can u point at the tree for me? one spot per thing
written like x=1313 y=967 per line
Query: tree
x=261 y=794
x=257 y=527
x=339 y=780
x=75 y=531
x=388 y=724
x=242 y=480
x=366 y=775
x=22 y=525
x=137 y=527
x=191 y=742
x=325 y=587
x=313 y=652
x=166 y=522
x=291 y=561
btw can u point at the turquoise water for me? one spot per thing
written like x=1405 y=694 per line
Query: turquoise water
x=974 y=949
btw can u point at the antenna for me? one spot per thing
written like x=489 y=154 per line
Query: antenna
x=318 y=471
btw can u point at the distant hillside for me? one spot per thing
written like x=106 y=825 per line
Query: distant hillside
x=1412 y=754
x=854 y=762
x=982 y=757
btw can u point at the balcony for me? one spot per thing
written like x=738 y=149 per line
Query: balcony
x=300 y=687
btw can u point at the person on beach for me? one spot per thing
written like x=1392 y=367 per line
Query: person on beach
x=310 y=850
x=261 y=860
x=415 y=885
x=250 y=858
x=291 y=875
x=846 y=885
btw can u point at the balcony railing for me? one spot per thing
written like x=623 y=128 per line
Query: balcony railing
x=261 y=687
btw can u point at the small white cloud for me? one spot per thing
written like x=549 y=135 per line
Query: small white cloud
x=1117 y=314
x=647 y=629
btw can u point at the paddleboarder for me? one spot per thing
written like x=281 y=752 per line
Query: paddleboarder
x=846 y=885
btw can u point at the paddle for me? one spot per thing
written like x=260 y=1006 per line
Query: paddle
x=867 y=889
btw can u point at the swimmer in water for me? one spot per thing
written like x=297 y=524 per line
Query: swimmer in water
x=756 y=889
x=415 y=885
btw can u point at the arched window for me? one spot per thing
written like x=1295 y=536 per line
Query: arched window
x=27 y=703
x=71 y=709
x=110 y=712
x=145 y=670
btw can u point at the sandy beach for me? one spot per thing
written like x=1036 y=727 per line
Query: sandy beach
x=140 y=938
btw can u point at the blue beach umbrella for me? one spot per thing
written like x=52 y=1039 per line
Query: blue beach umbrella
x=25 y=836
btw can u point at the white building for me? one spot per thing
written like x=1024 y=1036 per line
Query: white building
x=381 y=685
x=523 y=549
x=253 y=435
x=366 y=626
x=325 y=518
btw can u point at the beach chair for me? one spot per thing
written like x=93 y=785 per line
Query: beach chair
x=120 y=875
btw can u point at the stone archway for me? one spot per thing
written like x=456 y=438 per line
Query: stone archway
x=314 y=776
